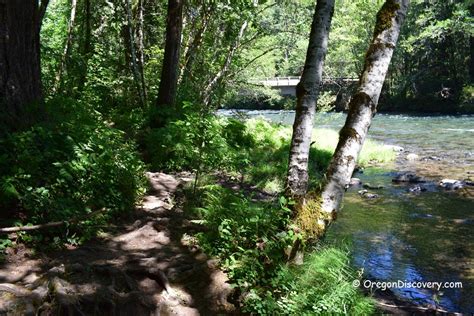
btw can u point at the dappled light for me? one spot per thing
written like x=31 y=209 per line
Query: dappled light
x=236 y=157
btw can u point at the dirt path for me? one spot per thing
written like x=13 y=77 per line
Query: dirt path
x=150 y=267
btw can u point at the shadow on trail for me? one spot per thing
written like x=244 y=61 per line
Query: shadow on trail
x=151 y=267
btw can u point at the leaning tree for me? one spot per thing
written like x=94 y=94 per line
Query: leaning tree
x=319 y=208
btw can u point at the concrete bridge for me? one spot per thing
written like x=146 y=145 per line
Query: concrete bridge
x=287 y=85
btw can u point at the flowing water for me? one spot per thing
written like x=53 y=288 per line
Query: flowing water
x=408 y=237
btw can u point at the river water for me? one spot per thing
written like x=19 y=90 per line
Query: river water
x=403 y=236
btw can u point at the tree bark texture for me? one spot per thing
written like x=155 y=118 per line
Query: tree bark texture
x=20 y=72
x=362 y=107
x=169 y=73
x=307 y=92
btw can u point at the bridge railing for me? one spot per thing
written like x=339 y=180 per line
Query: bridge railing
x=293 y=81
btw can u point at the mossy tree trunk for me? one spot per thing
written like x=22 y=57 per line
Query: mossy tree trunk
x=307 y=92
x=362 y=108
x=20 y=72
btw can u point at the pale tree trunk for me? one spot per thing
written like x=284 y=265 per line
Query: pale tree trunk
x=133 y=52
x=169 y=72
x=67 y=47
x=195 y=42
x=362 y=108
x=141 y=47
x=20 y=72
x=307 y=92
x=207 y=92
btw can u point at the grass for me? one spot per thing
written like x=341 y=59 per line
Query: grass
x=268 y=160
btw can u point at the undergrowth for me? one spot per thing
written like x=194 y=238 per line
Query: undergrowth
x=252 y=239
x=69 y=167
x=252 y=236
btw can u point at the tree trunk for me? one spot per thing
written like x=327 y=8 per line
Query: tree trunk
x=87 y=45
x=20 y=72
x=206 y=94
x=67 y=47
x=307 y=92
x=362 y=108
x=141 y=47
x=133 y=52
x=195 y=41
x=42 y=12
x=169 y=73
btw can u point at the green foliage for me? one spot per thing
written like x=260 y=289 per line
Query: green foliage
x=251 y=238
x=71 y=166
x=322 y=286
x=248 y=236
x=195 y=142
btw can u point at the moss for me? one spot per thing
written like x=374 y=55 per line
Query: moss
x=385 y=16
x=349 y=132
x=309 y=215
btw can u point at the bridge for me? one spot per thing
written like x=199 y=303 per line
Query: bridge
x=287 y=85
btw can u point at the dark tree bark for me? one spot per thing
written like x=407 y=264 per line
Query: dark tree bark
x=20 y=73
x=362 y=108
x=307 y=92
x=169 y=73
x=42 y=12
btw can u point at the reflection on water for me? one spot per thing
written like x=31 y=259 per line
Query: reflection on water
x=401 y=235
x=408 y=237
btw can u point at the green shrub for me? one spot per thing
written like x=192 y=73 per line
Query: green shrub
x=71 y=166
x=251 y=237
x=194 y=142
x=321 y=286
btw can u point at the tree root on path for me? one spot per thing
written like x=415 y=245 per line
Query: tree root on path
x=53 y=294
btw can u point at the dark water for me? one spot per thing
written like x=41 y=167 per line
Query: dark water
x=406 y=236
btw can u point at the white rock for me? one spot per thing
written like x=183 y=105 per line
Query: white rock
x=412 y=157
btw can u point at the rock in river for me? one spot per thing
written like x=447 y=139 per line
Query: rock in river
x=372 y=186
x=408 y=177
x=416 y=188
x=450 y=184
x=355 y=181
x=395 y=148
x=412 y=157
x=367 y=195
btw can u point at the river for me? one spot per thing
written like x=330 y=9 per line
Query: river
x=405 y=237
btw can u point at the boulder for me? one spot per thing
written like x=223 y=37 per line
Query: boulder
x=451 y=184
x=354 y=182
x=416 y=189
x=366 y=194
x=412 y=157
x=372 y=187
x=408 y=177
x=395 y=148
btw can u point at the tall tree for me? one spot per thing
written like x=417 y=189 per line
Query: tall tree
x=307 y=92
x=169 y=73
x=362 y=108
x=20 y=73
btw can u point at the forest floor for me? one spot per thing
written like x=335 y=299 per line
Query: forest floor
x=147 y=265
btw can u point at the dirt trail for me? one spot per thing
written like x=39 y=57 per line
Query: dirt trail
x=151 y=267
